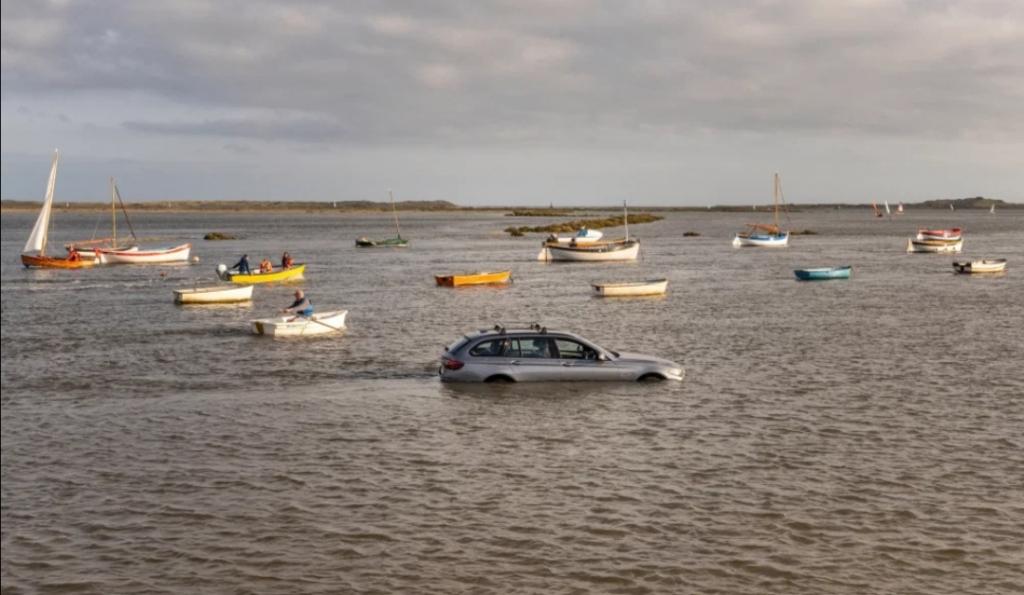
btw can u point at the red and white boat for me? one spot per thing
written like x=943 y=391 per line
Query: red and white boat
x=949 y=235
x=139 y=256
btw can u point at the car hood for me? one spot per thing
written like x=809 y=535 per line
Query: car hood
x=627 y=357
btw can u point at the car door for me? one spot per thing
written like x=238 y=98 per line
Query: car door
x=489 y=357
x=530 y=359
x=580 y=361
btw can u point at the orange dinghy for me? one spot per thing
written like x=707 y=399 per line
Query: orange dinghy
x=473 y=279
x=37 y=240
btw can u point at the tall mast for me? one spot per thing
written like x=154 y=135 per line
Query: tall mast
x=394 y=211
x=775 y=200
x=625 y=219
x=113 y=215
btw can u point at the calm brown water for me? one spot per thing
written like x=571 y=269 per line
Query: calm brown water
x=845 y=437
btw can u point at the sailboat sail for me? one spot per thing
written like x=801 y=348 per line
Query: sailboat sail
x=37 y=239
x=887 y=211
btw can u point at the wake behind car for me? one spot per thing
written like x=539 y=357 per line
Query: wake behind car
x=537 y=355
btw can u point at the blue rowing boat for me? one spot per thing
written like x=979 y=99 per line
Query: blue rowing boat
x=823 y=273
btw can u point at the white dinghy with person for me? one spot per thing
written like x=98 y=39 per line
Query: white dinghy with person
x=301 y=326
x=302 y=322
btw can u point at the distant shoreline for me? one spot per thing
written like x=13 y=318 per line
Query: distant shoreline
x=976 y=203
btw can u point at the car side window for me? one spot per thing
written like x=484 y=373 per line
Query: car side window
x=568 y=349
x=492 y=348
x=528 y=347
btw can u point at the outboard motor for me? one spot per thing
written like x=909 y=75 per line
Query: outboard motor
x=222 y=272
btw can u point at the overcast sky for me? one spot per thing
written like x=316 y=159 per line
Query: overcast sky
x=515 y=102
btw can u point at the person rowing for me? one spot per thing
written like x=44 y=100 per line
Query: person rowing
x=301 y=306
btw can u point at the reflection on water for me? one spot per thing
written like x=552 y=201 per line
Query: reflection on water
x=840 y=437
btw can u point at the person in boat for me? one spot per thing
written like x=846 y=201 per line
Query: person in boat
x=301 y=306
x=266 y=266
x=287 y=261
x=73 y=255
x=242 y=266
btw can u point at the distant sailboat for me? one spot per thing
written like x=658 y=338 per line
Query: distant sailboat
x=899 y=209
x=874 y=207
x=951 y=207
x=37 y=240
x=887 y=211
x=396 y=242
x=992 y=210
x=762 y=234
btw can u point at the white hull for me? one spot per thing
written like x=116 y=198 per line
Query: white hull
x=935 y=246
x=653 y=287
x=596 y=252
x=214 y=295
x=981 y=266
x=778 y=242
x=297 y=326
x=91 y=253
x=136 y=256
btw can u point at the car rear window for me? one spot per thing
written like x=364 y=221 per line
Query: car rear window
x=457 y=345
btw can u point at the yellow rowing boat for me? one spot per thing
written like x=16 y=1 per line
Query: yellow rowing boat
x=473 y=279
x=293 y=273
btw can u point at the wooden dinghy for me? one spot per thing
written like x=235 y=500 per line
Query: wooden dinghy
x=996 y=265
x=293 y=273
x=631 y=289
x=483 y=278
x=220 y=294
x=299 y=326
x=823 y=273
x=34 y=252
x=935 y=246
x=949 y=235
x=138 y=256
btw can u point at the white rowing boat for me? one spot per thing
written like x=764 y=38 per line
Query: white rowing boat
x=219 y=294
x=175 y=254
x=592 y=252
x=996 y=265
x=935 y=246
x=637 y=288
x=300 y=326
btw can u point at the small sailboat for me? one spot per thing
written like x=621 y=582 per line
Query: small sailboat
x=598 y=251
x=874 y=208
x=899 y=209
x=136 y=255
x=396 y=242
x=992 y=210
x=764 y=235
x=292 y=273
x=87 y=248
x=631 y=289
x=219 y=294
x=995 y=265
x=483 y=278
x=823 y=273
x=300 y=326
x=37 y=240
x=887 y=211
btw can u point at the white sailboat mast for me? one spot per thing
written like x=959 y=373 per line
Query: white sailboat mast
x=41 y=230
x=625 y=219
x=394 y=211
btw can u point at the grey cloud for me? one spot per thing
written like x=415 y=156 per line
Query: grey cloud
x=504 y=73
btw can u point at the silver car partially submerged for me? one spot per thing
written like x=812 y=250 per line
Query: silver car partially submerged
x=538 y=355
